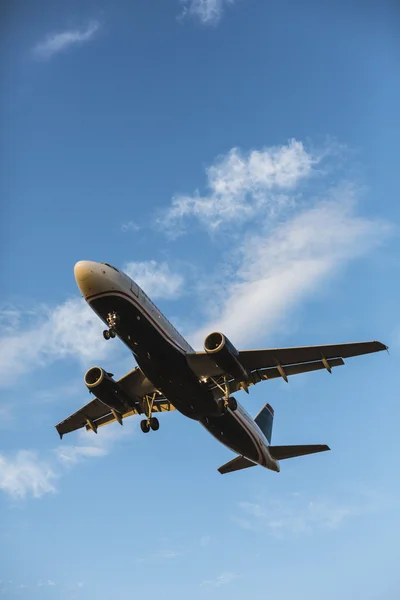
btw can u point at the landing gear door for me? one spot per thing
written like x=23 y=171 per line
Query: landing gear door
x=135 y=289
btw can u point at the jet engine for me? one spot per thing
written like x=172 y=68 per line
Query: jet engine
x=106 y=389
x=225 y=355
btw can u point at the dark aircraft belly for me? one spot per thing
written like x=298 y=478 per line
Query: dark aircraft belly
x=229 y=432
x=164 y=365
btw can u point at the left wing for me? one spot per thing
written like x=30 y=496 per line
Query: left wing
x=270 y=363
x=95 y=414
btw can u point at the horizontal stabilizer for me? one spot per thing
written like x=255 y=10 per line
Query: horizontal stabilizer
x=282 y=452
x=238 y=463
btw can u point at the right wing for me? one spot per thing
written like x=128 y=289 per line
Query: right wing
x=270 y=363
x=95 y=414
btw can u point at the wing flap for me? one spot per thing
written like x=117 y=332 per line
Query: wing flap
x=135 y=385
x=94 y=410
x=270 y=357
x=159 y=406
x=273 y=373
x=283 y=452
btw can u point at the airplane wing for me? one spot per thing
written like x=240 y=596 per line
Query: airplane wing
x=270 y=363
x=95 y=413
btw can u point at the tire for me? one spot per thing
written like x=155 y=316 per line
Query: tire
x=154 y=423
x=106 y=334
x=144 y=426
x=112 y=333
x=232 y=404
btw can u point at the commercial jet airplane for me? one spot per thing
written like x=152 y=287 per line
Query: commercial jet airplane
x=171 y=375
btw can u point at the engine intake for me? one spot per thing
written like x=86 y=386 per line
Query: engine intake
x=107 y=390
x=225 y=355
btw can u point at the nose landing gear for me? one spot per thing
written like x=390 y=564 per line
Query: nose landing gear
x=112 y=322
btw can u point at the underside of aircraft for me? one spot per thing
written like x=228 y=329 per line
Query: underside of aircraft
x=171 y=375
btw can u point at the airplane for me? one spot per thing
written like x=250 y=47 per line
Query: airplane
x=172 y=375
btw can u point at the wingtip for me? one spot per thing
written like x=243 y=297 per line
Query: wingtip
x=382 y=346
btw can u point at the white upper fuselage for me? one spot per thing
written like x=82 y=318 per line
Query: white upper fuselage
x=96 y=280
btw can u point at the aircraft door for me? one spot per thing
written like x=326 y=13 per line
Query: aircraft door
x=135 y=289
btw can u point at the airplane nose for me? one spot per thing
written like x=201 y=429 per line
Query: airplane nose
x=83 y=270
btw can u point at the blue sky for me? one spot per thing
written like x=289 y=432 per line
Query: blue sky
x=240 y=160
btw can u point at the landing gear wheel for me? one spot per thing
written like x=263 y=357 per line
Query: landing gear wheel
x=232 y=403
x=106 y=334
x=145 y=426
x=154 y=423
x=112 y=333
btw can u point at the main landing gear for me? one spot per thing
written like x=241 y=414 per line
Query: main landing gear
x=112 y=322
x=227 y=401
x=151 y=422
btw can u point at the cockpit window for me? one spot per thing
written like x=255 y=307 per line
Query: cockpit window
x=108 y=265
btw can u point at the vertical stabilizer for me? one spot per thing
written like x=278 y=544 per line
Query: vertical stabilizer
x=264 y=420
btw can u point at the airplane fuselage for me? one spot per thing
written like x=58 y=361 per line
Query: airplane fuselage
x=160 y=352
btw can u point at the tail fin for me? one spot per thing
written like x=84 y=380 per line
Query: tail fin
x=282 y=452
x=264 y=420
x=238 y=463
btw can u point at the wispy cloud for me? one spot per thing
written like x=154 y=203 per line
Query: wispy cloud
x=50 y=335
x=222 y=579
x=25 y=474
x=130 y=226
x=290 y=217
x=92 y=445
x=55 y=43
x=296 y=515
x=275 y=266
x=49 y=583
x=209 y=12
x=243 y=186
x=157 y=279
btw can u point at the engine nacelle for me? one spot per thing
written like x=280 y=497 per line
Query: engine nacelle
x=225 y=355
x=106 y=389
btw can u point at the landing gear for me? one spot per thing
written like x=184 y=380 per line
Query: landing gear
x=232 y=403
x=154 y=424
x=227 y=401
x=112 y=322
x=151 y=422
x=145 y=426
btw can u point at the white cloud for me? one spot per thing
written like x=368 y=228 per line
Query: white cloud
x=70 y=455
x=25 y=474
x=59 y=42
x=71 y=329
x=130 y=226
x=155 y=278
x=93 y=445
x=209 y=12
x=49 y=582
x=273 y=270
x=242 y=186
x=222 y=579
x=297 y=516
